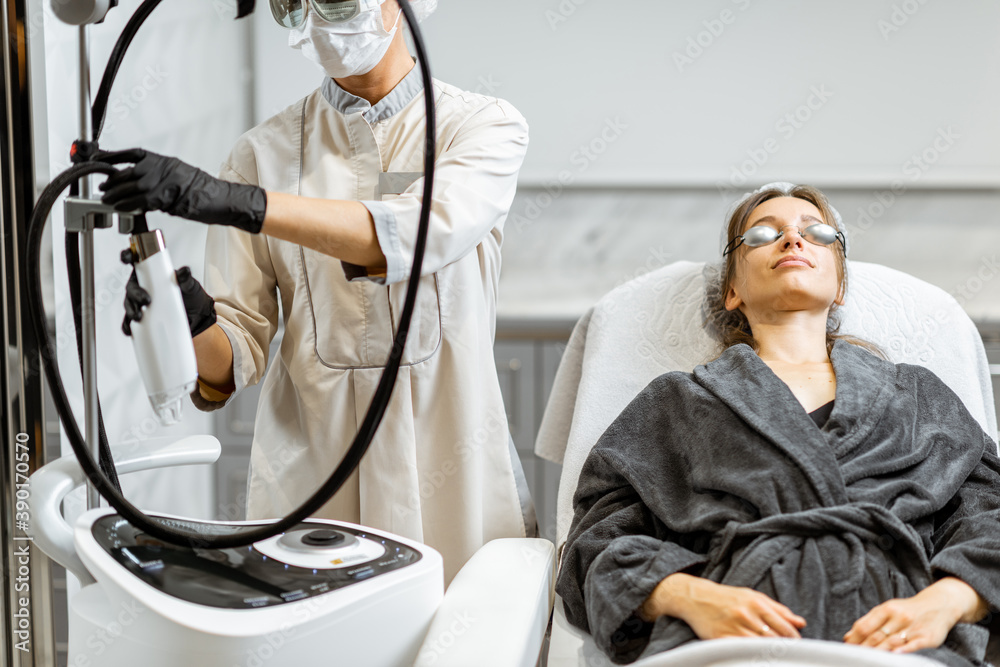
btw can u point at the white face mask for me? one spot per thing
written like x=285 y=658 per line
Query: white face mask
x=344 y=49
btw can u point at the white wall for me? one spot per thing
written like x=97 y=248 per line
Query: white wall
x=646 y=92
x=634 y=148
x=721 y=92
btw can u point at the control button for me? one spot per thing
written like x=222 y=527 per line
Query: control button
x=323 y=537
x=362 y=573
x=294 y=595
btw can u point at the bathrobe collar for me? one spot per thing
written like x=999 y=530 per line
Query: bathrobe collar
x=767 y=405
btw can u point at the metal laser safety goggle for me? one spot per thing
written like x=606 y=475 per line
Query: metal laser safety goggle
x=761 y=235
x=292 y=13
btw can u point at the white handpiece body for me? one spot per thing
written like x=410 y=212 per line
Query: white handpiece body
x=162 y=339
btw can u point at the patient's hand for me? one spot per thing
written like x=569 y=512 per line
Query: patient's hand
x=909 y=624
x=715 y=610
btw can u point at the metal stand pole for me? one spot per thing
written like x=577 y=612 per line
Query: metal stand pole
x=87 y=266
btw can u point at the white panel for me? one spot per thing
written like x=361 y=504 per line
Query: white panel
x=611 y=100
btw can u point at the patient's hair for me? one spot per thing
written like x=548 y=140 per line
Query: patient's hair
x=732 y=325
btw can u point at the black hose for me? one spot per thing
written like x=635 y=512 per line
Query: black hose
x=376 y=410
x=100 y=107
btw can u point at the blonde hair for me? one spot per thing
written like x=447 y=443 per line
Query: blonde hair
x=732 y=326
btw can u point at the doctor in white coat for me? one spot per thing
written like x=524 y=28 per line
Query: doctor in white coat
x=316 y=219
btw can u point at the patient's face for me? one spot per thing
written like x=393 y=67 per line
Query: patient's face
x=790 y=274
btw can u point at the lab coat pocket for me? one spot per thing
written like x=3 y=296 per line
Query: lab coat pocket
x=424 y=337
x=355 y=322
x=342 y=320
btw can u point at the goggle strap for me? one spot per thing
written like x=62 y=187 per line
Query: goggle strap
x=733 y=245
x=843 y=242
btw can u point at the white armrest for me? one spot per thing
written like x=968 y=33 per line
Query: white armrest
x=51 y=483
x=496 y=610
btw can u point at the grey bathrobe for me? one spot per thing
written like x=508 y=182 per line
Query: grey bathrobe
x=722 y=474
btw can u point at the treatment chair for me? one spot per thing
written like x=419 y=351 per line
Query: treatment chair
x=649 y=326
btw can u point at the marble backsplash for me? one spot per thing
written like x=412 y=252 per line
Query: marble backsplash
x=561 y=253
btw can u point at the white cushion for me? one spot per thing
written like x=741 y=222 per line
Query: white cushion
x=496 y=609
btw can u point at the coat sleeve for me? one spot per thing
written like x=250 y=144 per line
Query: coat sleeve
x=967 y=530
x=475 y=179
x=240 y=276
x=617 y=552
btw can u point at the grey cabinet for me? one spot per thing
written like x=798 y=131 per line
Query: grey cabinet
x=527 y=356
x=991 y=339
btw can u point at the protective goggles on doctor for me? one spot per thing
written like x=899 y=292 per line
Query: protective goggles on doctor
x=761 y=235
x=292 y=13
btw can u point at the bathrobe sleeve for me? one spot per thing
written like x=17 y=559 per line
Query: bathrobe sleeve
x=619 y=550
x=967 y=530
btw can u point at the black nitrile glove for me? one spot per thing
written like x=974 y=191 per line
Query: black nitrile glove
x=200 y=307
x=135 y=299
x=160 y=183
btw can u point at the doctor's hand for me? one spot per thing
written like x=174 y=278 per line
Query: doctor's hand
x=715 y=610
x=904 y=625
x=200 y=307
x=160 y=183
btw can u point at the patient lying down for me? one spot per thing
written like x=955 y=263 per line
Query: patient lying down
x=731 y=502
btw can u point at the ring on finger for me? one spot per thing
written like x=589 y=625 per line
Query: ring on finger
x=902 y=635
x=765 y=629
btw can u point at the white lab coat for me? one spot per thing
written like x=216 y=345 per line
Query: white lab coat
x=440 y=469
